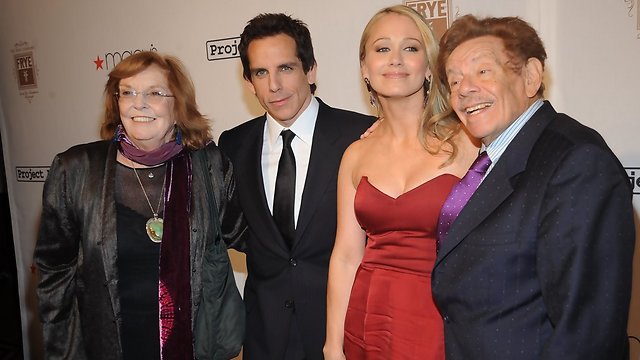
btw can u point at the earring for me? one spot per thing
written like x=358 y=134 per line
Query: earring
x=368 y=83
x=427 y=88
x=372 y=99
x=119 y=133
x=178 y=135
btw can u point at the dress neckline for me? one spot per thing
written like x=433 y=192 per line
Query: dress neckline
x=366 y=179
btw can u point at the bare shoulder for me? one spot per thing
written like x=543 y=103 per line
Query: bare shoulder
x=467 y=151
x=354 y=159
x=353 y=153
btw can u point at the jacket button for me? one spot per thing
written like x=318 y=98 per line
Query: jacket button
x=293 y=262
x=289 y=304
x=446 y=319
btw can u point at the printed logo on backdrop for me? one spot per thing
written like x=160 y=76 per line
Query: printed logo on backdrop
x=26 y=71
x=220 y=49
x=631 y=4
x=32 y=173
x=634 y=178
x=435 y=12
x=110 y=59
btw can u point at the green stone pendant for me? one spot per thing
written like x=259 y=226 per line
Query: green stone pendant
x=154 y=229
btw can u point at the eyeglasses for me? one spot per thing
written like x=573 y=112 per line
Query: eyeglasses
x=150 y=97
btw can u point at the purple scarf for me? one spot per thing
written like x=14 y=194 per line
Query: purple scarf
x=174 y=285
x=175 y=275
x=149 y=158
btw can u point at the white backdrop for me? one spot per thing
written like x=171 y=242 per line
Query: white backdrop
x=55 y=57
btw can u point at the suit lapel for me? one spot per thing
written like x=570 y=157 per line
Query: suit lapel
x=491 y=193
x=498 y=185
x=248 y=168
x=322 y=167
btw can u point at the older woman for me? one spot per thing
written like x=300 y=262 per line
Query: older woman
x=130 y=222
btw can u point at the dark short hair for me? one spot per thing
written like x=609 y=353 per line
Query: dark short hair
x=520 y=40
x=194 y=126
x=266 y=25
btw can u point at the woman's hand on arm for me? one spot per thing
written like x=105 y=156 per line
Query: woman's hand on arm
x=371 y=129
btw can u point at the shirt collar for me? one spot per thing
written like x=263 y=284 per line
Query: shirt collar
x=303 y=126
x=500 y=144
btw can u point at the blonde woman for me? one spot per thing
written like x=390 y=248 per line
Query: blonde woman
x=391 y=186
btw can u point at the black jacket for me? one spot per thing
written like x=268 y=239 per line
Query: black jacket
x=76 y=250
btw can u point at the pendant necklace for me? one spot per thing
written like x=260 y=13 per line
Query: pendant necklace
x=154 y=225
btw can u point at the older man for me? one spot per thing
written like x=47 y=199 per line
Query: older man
x=538 y=263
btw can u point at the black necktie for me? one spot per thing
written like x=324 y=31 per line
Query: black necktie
x=284 y=196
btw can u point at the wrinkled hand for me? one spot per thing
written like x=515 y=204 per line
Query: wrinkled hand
x=371 y=129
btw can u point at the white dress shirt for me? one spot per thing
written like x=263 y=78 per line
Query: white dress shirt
x=303 y=127
x=500 y=144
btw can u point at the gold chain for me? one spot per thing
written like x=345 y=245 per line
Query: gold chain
x=155 y=213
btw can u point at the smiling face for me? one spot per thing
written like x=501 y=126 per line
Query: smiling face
x=149 y=123
x=278 y=79
x=395 y=60
x=486 y=93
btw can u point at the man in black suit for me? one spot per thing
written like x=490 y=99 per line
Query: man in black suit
x=289 y=246
x=538 y=263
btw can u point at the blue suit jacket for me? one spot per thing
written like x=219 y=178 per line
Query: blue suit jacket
x=538 y=264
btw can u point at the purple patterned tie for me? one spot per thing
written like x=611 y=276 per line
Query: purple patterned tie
x=461 y=193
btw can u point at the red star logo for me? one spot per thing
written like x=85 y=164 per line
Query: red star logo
x=98 y=62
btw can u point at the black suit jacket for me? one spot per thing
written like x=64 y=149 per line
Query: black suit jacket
x=538 y=263
x=282 y=282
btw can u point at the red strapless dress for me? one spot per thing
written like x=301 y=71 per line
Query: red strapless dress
x=391 y=314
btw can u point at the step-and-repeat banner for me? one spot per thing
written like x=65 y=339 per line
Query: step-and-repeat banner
x=55 y=57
